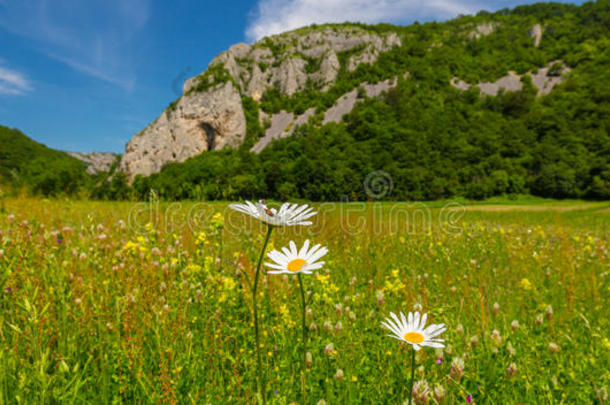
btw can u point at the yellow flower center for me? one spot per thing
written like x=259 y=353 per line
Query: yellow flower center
x=296 y=265
x=414 y=337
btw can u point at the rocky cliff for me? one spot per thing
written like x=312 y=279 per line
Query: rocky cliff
x=210 y=115
x=96 y=161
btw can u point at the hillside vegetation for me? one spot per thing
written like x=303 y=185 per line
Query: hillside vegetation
x=41 y=170
x=426 y=137
x=434 y=140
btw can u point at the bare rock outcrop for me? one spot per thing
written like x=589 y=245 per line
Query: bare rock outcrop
x=282 y=125
x=200 y=121
x=342 y=106
x=96 y=161
x=544 y=79
x=482 y=30
x=288 y=61
x=345 y=104
x=210 y=115
x=536 y=33
x=372 y=50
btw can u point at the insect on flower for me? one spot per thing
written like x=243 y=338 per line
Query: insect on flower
x=287 y=215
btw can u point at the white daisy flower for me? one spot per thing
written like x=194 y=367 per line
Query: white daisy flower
x=292 y=261
x=411 y=329
x=288 y=214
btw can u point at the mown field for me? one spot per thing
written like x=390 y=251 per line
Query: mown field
x=123 y=303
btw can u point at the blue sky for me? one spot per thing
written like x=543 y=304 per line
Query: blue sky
x=85 y=75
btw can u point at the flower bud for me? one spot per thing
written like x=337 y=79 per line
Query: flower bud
x=380 y=298
x=439 y=393
x=457 y=368
x=339 y=375
x=496 y=338
x=327 y=326
x=511 y=371
x=496 y=308
x=602 y=394
x=553 y=348
x=474 y=341
x=459 y=328
x=308 y=359
x=548 y=311
x=421 y=390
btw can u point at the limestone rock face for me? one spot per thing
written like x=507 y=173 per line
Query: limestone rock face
x=210 y=115
x=288 y=61
x=201 y=121
x=544 y=80
x=96 y=161
x=536 y=33
x=291 y=76
x=482 y=30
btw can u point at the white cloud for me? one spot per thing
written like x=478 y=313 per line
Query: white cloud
x=276 y=16
x=95 y=37
x=13 y=83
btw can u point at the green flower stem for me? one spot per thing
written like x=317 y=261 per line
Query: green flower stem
x=303 y=365
x=262 y=390
x=412 y=375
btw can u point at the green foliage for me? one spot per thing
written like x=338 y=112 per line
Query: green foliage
x=172 y=106
x=111 y=303
x=254 y=130
x=433 y=140
x=29 y=164
x=214 y=75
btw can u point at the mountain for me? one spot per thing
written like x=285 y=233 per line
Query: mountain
x=97 y=162
x=27 y=163
x=210 y=114
x=515 y=101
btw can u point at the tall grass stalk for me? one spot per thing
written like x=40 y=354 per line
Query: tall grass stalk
x=412 y=376
x=260 y=376
x=304 y=360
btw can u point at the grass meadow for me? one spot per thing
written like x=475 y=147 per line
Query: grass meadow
x=109 y=303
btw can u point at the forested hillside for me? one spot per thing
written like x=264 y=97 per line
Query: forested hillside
x=434 y=140
x=435 y=130
x=27 y=164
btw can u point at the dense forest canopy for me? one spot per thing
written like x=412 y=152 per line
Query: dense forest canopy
x=434 y=140
x=26 y=163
